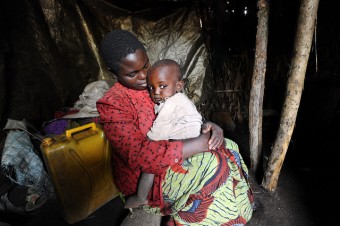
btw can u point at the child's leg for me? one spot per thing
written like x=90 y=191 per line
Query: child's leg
x=144 y=187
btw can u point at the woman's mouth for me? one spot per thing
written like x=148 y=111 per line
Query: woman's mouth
x=144 y=85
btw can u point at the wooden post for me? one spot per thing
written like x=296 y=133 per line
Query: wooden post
x=257 y=87
x=296 y=77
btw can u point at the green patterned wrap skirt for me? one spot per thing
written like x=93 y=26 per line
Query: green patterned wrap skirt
x=210 y=188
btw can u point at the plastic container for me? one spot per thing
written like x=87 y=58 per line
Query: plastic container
x=79 y=164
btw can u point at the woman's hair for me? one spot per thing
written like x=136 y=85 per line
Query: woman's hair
x=116 y=45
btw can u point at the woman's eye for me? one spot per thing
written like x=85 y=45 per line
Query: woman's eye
x=147 y=65
x=131 y=75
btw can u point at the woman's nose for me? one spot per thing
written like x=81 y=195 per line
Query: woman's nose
x=142 y=74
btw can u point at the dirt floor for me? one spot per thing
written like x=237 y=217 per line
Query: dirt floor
x=288 y=205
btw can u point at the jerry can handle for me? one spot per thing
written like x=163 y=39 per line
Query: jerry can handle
x=80 y=128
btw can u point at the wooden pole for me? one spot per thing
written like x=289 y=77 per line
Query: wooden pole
x=296 y=77
x=257 y=87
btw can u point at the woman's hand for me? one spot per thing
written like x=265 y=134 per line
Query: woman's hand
x=217 y=137
x=211 y=138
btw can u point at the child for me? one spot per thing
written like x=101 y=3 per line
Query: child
x=177 y=117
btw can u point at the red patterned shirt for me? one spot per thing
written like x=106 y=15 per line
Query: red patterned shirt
x=127 y=116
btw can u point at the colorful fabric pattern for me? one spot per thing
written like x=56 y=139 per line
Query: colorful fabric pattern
x=210 y=188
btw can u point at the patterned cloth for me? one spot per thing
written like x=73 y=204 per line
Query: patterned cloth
x=210 y=188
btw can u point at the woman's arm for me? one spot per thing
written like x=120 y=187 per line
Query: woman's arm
x=196 y=145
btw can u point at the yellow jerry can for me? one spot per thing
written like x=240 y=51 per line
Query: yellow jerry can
x=79 y=164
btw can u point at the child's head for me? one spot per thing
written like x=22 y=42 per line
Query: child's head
x=164 y=80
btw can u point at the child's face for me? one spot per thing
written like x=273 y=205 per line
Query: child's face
x=163 y=83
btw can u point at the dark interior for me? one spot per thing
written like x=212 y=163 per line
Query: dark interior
x=45 y=63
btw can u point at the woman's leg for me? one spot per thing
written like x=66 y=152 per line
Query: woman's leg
x=209 y=188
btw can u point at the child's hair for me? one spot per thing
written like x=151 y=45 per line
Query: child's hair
x=116 y=45
x=169 y=62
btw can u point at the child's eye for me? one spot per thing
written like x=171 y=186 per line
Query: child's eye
x=162 y=86
x=150 y=88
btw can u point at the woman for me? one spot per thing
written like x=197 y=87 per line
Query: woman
x=192 y=184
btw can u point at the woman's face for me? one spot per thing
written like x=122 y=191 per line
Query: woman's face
x=133 y=70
